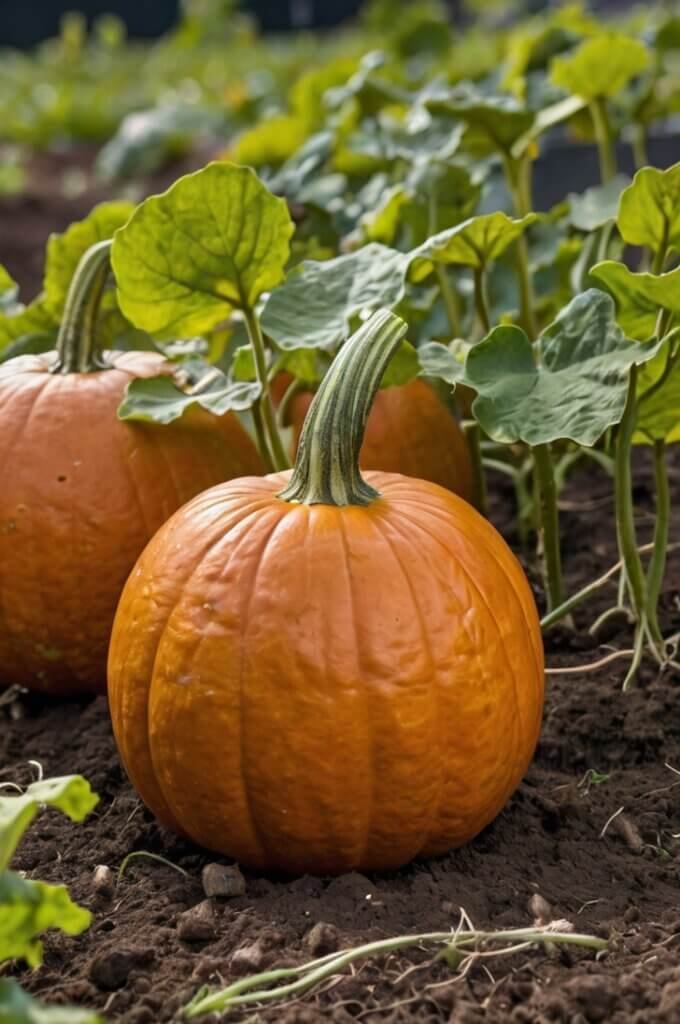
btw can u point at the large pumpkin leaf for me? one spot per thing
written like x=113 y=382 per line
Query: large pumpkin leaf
x=571 y=384
x=639 y=296
x=65 y=250
x=29 y=909
x=215 y=241
x=496 y=121
x=70 y=794
x=317 y=303
x=439 y=360
x=600 y=66
x=160 y=400
x=35 y=319
x=17 y=1007
x=473 y=243
x=597 y=205
x=649 y=213
x=658 y=416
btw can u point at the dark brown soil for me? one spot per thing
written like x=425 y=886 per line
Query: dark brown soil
x=622 y=884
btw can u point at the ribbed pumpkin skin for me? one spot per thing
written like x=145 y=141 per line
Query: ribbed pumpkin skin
x=318 y=689
x=81 y=494
x=409 y=431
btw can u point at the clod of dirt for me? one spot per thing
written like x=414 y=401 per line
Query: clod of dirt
x=596 y=997
x=248 y=958
x=322 y=938
x=103 y=881
x=198 y=923
x=629 y=832
x=109 y=970
x=223 y=880
x=540 y=910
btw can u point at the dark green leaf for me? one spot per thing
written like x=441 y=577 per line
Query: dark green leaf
x=500 y=120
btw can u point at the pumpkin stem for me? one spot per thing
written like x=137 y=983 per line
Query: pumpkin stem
x=327 y=464
x=76 y=343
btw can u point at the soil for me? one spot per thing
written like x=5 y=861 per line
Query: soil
x=620 y=881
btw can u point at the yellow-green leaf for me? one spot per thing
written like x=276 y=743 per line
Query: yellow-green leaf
x=639 y=297
x=601 y=66
x=649 y=211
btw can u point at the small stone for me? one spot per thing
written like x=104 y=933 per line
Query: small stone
x=247 y=958
x=109 y=970
x=632 y=914
x=322 y=938
x=103 y=881
x=223 y=880
x=540 y=910
x=198 y=923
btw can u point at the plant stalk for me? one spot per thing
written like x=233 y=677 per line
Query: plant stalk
x=623 y=490
x=482 y=299
x=603 y=135
x=275 y=444
x=550 y=529
x=450 y=299
x=472 y=434
x=77 y=348
x=517 y=173
x=657 y=563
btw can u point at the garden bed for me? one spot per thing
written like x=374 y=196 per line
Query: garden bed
x=601 y=752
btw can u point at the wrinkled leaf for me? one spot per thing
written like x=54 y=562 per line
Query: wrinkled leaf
x=215 y=241
x=597 y=205
x=317 y=303
x=70 y=794
x=601 y=66
x=160 y=400
x=64 y=251
x=571 y=384
x=639 y=296
x=438 y=360
x=649 y=213
x=28 y=909
x=17 y=1007
x=473 y=243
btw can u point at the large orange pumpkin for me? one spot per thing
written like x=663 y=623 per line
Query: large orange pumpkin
x=81 y=493
x=409 y=431
x=326 y=672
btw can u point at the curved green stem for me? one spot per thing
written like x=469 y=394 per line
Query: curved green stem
x=472 y=431
x=450 y=299
x=640 y=147
x=274 y=442
x=482 y=299
x=657 y=563
x=327 y=464
x=623 y=490
x=261 y=437
x=550 y=529
x=77 y=350
x=603 y=135
x=295 y=387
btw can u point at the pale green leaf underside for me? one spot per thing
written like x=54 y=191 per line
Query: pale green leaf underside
x=70 y=794
x=215 y=241
x=639 y=296
x=315 y=306
x=649 y=213
x=572 y=384
x=159 y=400
x=597 y=205
x=437 y=360
x=17 y=1007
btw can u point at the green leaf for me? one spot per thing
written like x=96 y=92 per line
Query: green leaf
x=243 y=364
x=438 y=360
x=639 y=296
x=215 y=241
x=27 y=320
x=601 y=66
x=497 y=121
x=29 y=909
x=318 y=302
x=474 y=243
x=65 y=250
x=9 y=291
x=649 y=213
x=658 y=416
x=402 y=367
x=17 y=1007
x=160 y=400
x=571 y=384
x=597 y=205
x=308 y=365
x=70 y=794
x=29 y=344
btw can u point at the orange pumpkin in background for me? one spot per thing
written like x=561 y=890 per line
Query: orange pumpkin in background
x=325 y=672
x=81 y=492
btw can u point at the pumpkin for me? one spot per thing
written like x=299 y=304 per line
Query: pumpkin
x=409 y=431
x=83 y=492
x=327 y=671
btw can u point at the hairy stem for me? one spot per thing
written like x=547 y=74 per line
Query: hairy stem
x=275 y=444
